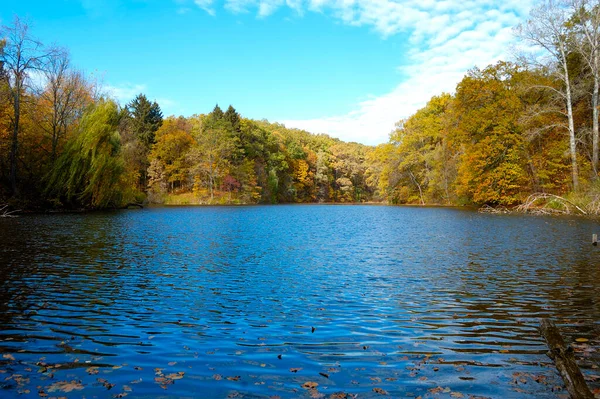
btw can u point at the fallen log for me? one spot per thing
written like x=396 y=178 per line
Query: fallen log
x=564 y=360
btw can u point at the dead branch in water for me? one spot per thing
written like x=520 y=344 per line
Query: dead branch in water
x=490 y=209
x=568 y=207
x=5 y=213
x=563 y=358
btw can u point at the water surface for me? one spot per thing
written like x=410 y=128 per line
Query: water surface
x=267 y=301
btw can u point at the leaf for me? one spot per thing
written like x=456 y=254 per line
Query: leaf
x=8 y=356
x=175 y=376
x=65 y=386
x=235 y=378
x=92 y=370
x=295 y=369
x=324 y=375
x=581 y=340
x=310 y=385
x=172 y=363
x=380 y=391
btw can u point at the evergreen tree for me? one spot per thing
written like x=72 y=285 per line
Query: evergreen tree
x=217 y=113
x=146 y=118
x=233 y=118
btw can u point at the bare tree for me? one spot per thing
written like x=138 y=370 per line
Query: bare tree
x=22 y=55
x=67 y=92
x=547 y=30
x=587 y=41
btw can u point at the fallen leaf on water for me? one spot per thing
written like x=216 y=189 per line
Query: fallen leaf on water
x=380 y=391
x=172 y=363
x=234 y=378
x=116 y=367
x=217 y=377
x=423 y=378
x=8 y=356
x=175 y=376
x=65 y=386
x=325 y=375
x=136 y=381
x=340 y=395
x=120 y=395
x=503 y=351
x=310 y=385
x=92 y=370
x=581 y=340
x=457 y=395
x=314 y=394
x=127 y=388
x=295 y=369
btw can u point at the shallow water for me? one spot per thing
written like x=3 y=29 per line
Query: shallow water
x=257 y=301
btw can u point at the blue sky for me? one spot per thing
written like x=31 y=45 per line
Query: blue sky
x=349 y=68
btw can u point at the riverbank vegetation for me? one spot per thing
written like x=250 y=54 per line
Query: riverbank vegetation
x=510 y=130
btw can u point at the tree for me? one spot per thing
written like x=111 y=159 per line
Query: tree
x=487 y=108
x=548 y=29
x=586 y=23
x=173 y=142
x=67 y=94
x=232 y=117
x=22 y=54
x=90 y=170
x=210 y=157
x=144 y=119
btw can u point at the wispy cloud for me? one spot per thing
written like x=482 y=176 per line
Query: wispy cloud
x=206 y=5
x=124 y=93
x=448 y=37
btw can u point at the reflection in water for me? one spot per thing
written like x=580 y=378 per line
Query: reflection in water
x=430 y=302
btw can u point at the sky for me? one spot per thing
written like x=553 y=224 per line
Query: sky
x=348 y=68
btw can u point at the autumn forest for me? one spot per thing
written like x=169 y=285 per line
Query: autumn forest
x=509 y=130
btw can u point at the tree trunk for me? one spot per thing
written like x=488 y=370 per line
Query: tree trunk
x=15 y=143
x=572 y=143
x=595 y=127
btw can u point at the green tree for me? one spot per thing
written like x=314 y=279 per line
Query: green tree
x=89 y=172
x=144 y=118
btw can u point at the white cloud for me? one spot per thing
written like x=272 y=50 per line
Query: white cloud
x=448 y=37
x=206 y=5
x=124 y=93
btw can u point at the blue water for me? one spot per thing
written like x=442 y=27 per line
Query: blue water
x=219 y=302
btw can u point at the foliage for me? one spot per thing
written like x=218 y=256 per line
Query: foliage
x=89 y=172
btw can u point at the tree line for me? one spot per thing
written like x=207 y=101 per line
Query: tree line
x=63 y=144
x=509 y=130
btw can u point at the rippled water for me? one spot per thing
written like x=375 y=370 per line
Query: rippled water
x=232 y=301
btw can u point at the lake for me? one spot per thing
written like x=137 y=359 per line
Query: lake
x=293 y=301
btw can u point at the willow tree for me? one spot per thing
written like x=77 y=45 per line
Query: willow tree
x=89 y=171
